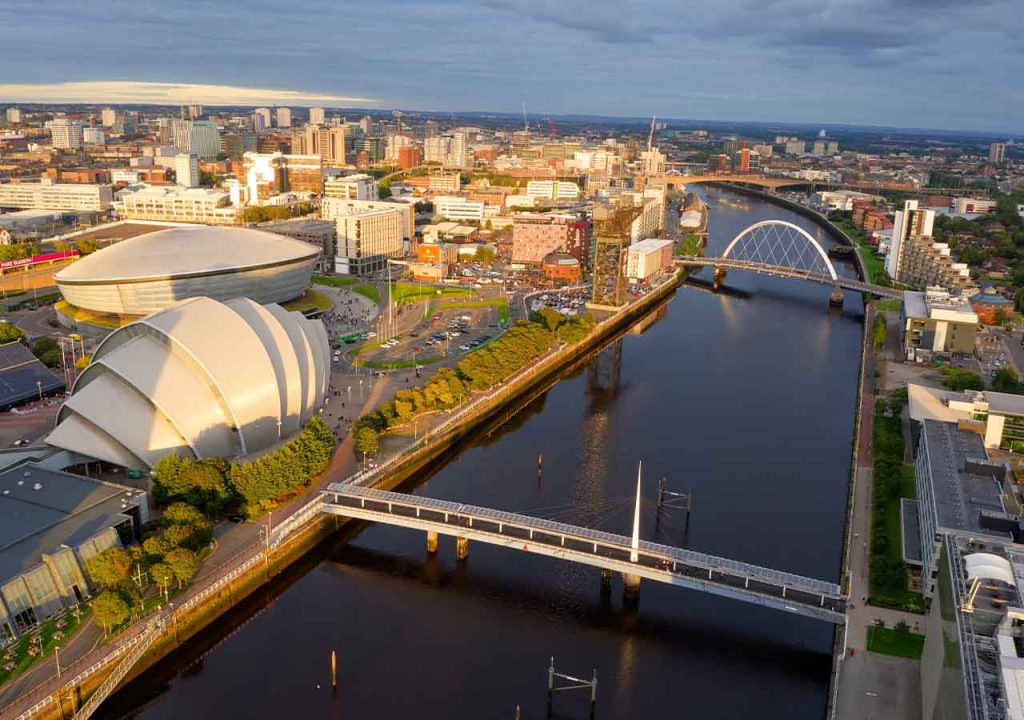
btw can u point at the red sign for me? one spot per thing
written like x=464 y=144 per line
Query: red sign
x=8 y=264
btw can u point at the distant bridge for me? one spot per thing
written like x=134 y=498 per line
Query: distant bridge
x=632 y=557
x=771 y=183
x=782 y=249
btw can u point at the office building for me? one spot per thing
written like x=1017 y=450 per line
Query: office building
x=13 y=116
x=195 y=111
x=66 y=134
x=430 y=129
x=825 y=147
x=321 y=233
x=235 y=145
x=795 y=147
x=997 y=152
x=648 y=258
x=175 y=204
x=366 y=240
x=718 y=164
x=108 y=116
x=316 y=116
x=197 y=137
x=535 y=236
x=934 y=322
x=653 y=162
x=46 y=195
x=351 y=187
x=93 y=136
x=284 y=117
x=552 y=190
x=457 y=208
x=366 y=125
x=266 y=115
x=448 y=150
x=916 y=260
x=186 y=170
x=261 y=119
x=409 y=157
x=327 y=142
x=270 y=174
x=336 y=208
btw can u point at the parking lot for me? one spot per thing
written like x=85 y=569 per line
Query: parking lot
x=447 y=333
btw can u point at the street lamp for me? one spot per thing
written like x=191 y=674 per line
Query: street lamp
x=39 y=386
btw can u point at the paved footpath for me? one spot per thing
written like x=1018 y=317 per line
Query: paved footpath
x=873 y=686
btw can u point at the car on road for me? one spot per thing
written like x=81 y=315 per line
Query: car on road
x=417 y=348
x=464 y=347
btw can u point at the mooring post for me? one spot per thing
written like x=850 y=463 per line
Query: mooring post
x=551 y=682
x=593 y=694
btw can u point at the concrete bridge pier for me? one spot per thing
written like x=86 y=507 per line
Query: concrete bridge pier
x=606 y=583
x=835 y=298
x=461 y=548
x=631 y=587
x=431 y=542
x=719 y=279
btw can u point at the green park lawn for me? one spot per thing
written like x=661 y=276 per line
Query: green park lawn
x=900 y=643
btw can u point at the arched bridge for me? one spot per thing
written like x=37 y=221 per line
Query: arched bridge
x=782 y=249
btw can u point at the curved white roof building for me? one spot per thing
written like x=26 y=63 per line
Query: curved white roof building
x=200 y=378
x=147 y=273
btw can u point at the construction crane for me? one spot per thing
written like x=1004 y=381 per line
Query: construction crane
x=526 y=124
x=650 y=135
x=552 y=128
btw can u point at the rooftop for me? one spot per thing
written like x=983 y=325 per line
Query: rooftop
x=187 y=250
x=40 y=510
x=961 y=492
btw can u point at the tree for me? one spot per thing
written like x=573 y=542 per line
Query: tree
x=156 y=546
x=1006 y=381
x=183 y=564
x=47 y=351
x=162 y=575
x=485 y=254
x=10 y=332
x=110 y=609
x=110 y=568
x=87 y=246
x=958 y=380
x=180 y=513
x=367 y=440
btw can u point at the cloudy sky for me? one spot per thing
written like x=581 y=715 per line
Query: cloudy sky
x=953 y=64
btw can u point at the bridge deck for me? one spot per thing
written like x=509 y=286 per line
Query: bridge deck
x=676 y=566
x=783 y=271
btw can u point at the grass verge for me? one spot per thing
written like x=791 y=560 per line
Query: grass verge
x=19 y=658
x=335 y=280
x=898 y=643
x=404 y=292
x=500 y=303
x=368 y=290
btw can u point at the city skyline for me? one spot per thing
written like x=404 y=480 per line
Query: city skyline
x=829 y=63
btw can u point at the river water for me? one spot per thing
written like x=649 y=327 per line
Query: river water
x=746 y=400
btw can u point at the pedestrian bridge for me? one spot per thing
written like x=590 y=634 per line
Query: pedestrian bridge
x=610 y=552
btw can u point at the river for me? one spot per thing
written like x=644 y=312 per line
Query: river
x=745 y=399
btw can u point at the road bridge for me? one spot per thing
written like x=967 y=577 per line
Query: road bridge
x=632 y=557
x=782 y=249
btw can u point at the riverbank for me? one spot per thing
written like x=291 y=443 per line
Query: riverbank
x=253 y=567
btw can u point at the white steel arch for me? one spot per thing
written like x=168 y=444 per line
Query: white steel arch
x=772 y=249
